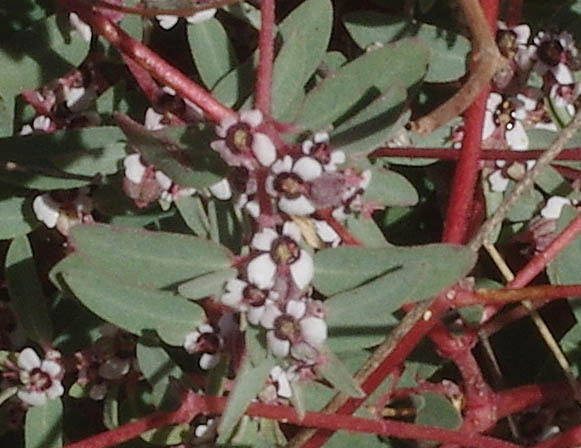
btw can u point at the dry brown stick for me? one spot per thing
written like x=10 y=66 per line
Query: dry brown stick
x=489 y=61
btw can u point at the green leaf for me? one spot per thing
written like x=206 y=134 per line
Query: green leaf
x=207 y=284
x=182 y=153
x=192 y=211
x=249 y=382
x=542 y=138
x=111 y=407
x=81 y=152
x=34 y=56
x=437 y=411
x=157 y=367
x=359 y=82
x=133 y=308
x=366 y=231
x=449 y=51
x=168 y=435
x=16 y=217
x=212 y=51
x=42 y=428
x=564 y=269
x=390 y=189
x=235 y=87
x=372 y=126
x=344 y=268
x=335 y=372
x=26 y=295
x=305 y=34
x=154 y=259
x=526 y=207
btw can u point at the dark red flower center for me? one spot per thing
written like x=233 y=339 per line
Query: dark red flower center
x=289 y=184
x=550 y=52
x=504 y=115
x=239 y=138
x=287 y=328
x=506 y=41
x=40 y=380
x=254 y=296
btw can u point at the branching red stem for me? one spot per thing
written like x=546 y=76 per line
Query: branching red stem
x=150 y=61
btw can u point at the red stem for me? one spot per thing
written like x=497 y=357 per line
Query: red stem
x=514 y=12
x=515 y=400
x=263 y=87
x=150 y=61
x=571 y=438
x=464 y=182
x=346 y=237
x=540 y=261
x=487 y=154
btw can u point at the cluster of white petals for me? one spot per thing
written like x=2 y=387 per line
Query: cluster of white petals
x=63 y=209
x=39 y=380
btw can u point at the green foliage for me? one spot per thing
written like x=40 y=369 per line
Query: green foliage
x=26 y=295
x=43 y=426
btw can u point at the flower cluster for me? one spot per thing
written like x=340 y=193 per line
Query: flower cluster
x=516 y=103
x=64 y=209
x=282 y=187
x=109 y=360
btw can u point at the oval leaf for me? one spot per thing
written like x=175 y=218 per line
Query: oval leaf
x=26 y=295
x=43 y=426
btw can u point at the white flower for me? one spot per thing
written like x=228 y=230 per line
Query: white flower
x=83 y=29
x=134 y=168
x=244 y=296
x=565 y=95
x=39 y=380
x=296 y=331
x=240 y=144
x=205 y=340
x=281 y=378
x=502 y=122
x=289 y=182
x=319 y=149
x=169 y=21
x=280 y=252
x=553 y=53
x=553 y=207
x=78 y=99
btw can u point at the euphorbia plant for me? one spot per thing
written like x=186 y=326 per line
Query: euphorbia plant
x=266 y=238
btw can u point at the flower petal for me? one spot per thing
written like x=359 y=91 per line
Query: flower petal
x=167 y=21
x=302 y=270
x=55 y=390
x=254 y=314
x=46 y=209
x=313 y=331
x=300 y=206
x=517 y=137
x=134 y=169
x=261 y=271
x=52 y=368
x=271 y=312
x=263 y=240
x=114 y=368
x=489 y=127
x=498 y=182
x=221 y=190
x=307 y=168
x=253 y=117
x=153 y=120
x=201 y=16
x=83 y=29
x=263 y=149
x=209 y=360
x=28 y=359
x=553 y=207
x=292 y=230
x=493 y=101
x=296 y=308
x=233 y=296
x=32 y=398
x=278 y=347
x=562 y=74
